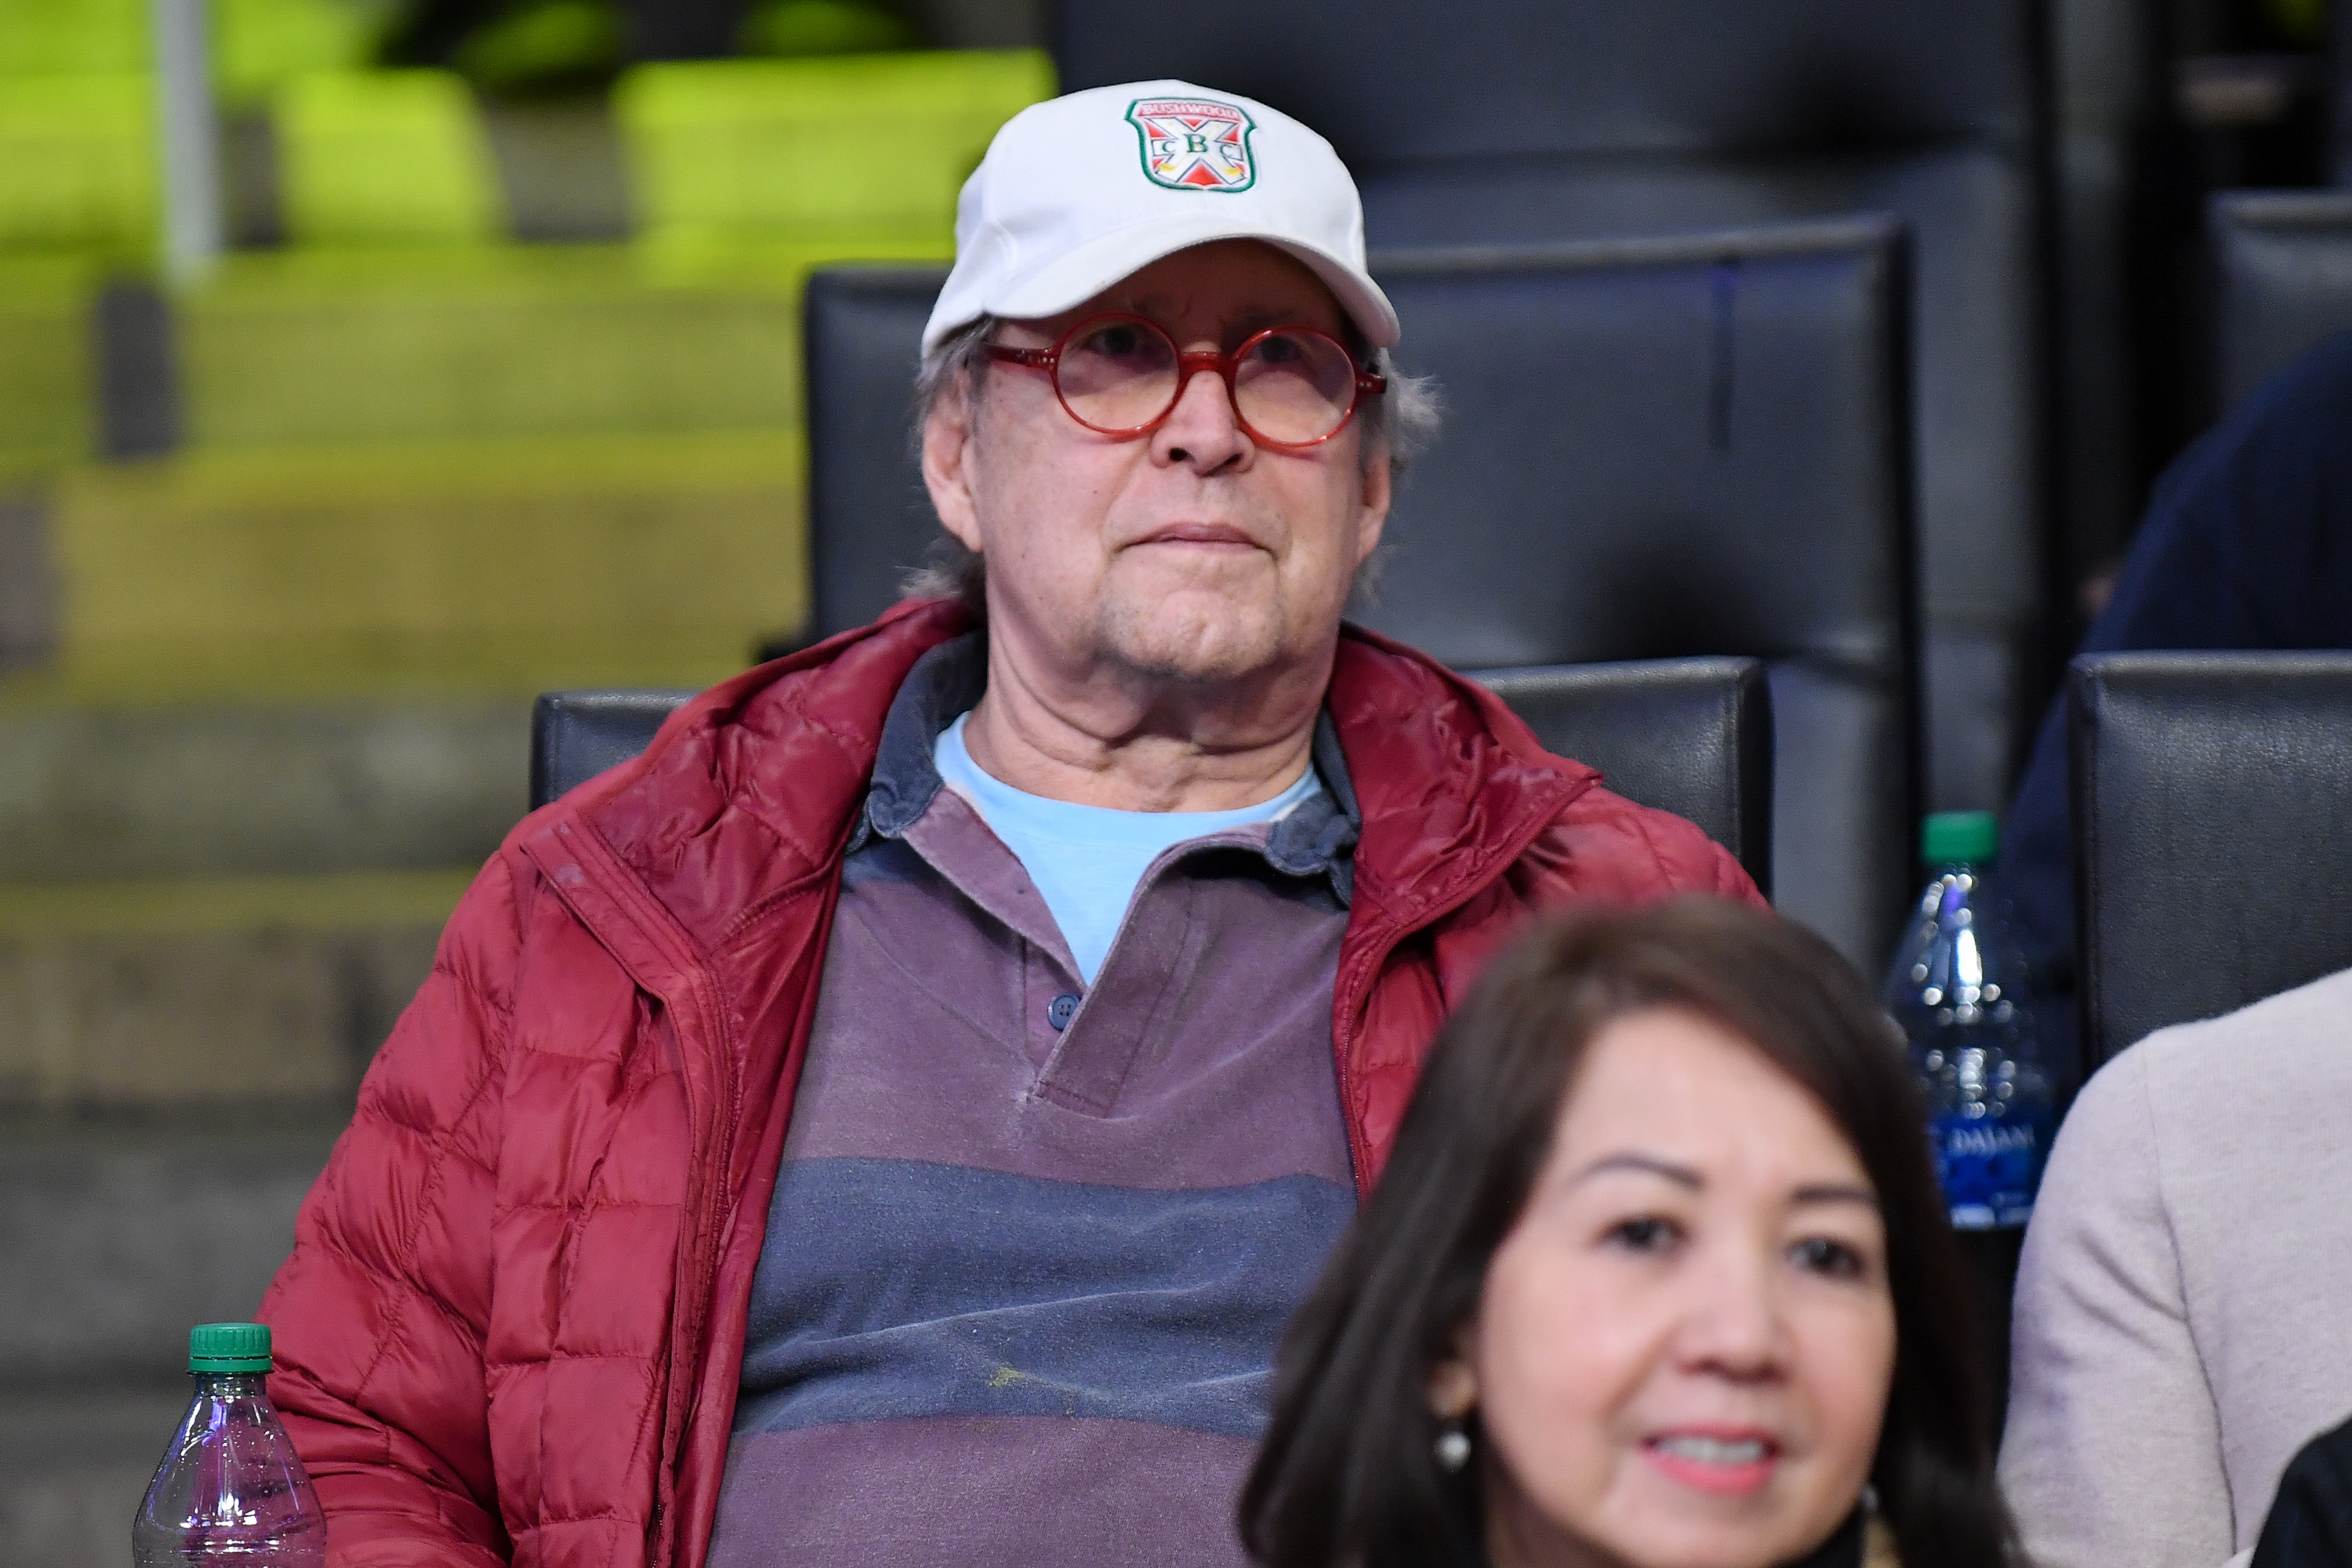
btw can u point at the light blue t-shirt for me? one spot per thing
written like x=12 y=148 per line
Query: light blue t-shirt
x=1086 y=860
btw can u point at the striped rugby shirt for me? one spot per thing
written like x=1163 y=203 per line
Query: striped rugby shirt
x=1032 y=1242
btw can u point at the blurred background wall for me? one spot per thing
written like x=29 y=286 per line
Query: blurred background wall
x=494 y=387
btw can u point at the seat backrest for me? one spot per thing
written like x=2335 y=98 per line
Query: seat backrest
x=1687 y=446
x=867 y=146
x=1691 y=736
x=260 y=46
x=2211 y=845
x=575 y=735
x=870 y=519
x=1657 y=448
x=374 y=157
x=79 y=165
x=2282 y=276
x=74 y=37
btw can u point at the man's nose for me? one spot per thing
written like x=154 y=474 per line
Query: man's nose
x=1203 y=430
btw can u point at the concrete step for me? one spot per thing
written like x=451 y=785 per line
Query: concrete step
x=121 y=1233
x=409 y=343
x=108 y=792
x=118 y=1236
x=212 y=993
x=46 y=379
x=605 y=559
x=74 y=1462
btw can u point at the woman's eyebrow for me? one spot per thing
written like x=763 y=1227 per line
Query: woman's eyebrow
x=1683 y=1176
x=1651 y=1164
x=1835 y=1193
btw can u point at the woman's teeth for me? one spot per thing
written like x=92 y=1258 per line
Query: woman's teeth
x=1714 y=1450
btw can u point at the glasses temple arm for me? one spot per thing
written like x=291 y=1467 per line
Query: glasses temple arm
x=1036 y=359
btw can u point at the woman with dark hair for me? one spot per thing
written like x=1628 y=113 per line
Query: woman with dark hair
x=1657 y=1275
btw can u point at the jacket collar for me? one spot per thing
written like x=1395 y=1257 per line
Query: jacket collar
x=748 y=794
x=1452 y=785
x=752 y=792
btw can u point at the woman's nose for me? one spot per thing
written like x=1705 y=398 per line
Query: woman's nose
x=1734 y=1319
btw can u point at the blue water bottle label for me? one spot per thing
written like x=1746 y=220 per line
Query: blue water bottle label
x=1990 y=1166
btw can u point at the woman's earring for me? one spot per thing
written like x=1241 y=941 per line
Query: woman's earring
x=1869 y=1501
x=1452 y=1448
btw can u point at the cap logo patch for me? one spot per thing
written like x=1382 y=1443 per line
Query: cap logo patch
x=1195 y=143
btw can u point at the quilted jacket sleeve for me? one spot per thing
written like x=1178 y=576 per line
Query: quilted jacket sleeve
x=1688 y=861
x=379 y=1315
x=1726 y=878
x=1605 y=846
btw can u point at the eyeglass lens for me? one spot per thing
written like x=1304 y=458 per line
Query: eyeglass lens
x=1292 y=386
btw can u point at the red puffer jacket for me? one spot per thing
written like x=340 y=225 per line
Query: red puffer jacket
x=512 y=1325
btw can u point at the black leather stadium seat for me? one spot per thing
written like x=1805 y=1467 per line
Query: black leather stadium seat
x=2282 y=273
x=1520 y=121
x=1653 y=449
x=870 y=519
x=2212 y=851
x=1685 y=447
x=1691 y=736
x=575 y=735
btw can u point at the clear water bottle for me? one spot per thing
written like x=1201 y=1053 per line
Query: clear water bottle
x=1959 y=990
x=231 y=1490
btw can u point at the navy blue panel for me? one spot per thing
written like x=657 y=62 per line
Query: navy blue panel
x=895 y=1288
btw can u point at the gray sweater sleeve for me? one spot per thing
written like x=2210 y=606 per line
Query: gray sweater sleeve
x=2113 y=1450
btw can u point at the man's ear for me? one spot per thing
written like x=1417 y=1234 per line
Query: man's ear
x=947 y=457
x=1372 y=500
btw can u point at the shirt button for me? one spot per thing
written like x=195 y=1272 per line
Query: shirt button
x=1062 y=1009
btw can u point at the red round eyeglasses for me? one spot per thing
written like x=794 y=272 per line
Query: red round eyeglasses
x=1121 y=376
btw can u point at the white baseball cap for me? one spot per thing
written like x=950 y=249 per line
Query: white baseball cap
x=1081 y=191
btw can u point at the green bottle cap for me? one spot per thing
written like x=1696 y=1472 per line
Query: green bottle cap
x=1960 y=838
x=228 y=1347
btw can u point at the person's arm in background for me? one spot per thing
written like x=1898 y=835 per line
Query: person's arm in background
x=2111 y=1453
x=2247 y=543
x=380 y=1314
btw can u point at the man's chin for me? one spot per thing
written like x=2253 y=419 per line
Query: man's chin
x=1190 y=638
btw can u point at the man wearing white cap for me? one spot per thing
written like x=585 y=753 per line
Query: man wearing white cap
x=890 y=1121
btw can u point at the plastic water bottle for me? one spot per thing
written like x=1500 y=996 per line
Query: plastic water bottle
x=231 y=1489
x=1960 y=991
